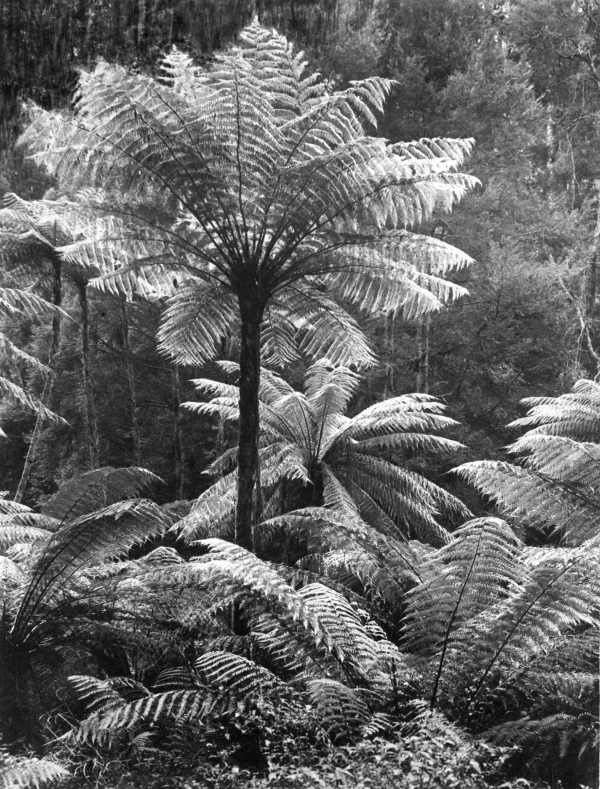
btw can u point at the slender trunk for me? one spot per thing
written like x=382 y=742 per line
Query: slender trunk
x=426 y=345
x=133 y=405
x=420 y=338
x=141 y=22
x=49 y=384
x=248 y=501
x=178 y=444
x=89 y=414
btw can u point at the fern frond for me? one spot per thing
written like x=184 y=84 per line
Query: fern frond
x=543 y=504
x=98 y=488
x=341 y=711
x=20 y=397
x=89 y=539
x=30 y=773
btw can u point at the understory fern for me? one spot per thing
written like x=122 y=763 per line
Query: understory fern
x=311 y=453
x=551 y=495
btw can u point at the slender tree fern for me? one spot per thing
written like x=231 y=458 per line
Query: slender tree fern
x=311 y=452
x=253 y=192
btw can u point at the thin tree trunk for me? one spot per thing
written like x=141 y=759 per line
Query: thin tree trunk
x=90 y=416
x=141 y=22
x=49 y=384
x=420 y=338
x=178 y=443
x=248 y=500
x=133 y=405
x=426 y=347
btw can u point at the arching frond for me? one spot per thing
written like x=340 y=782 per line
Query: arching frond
x=341 y=711
x=20 y=397
x=88 y=539
x=97 y=488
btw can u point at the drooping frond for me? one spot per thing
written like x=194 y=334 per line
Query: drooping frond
x=234 y=675
x=14 y=533
x=574 y=414
x=251 y=175
x=18 y=396
x=552 y=492
x=545 y=505
x=170 y=706
x=195 y=322
x=88 y=539
x=342 y=711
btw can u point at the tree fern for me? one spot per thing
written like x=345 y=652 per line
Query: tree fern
x=491 y=610
x=358 y=462
x=552 y=492
x=49 y=594
x=257 y=184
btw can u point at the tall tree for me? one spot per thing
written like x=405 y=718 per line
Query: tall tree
x=252 y=193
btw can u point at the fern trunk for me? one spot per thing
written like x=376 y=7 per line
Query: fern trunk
x=91 y=419
x=178 y=440
x=248 y=492
x=136 y=437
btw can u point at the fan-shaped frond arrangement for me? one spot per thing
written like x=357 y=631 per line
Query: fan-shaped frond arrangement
x=260 y=188
x=552 y=493
x=315 y=453
x=496 y=627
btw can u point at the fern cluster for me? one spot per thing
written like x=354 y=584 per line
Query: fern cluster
x=250 y=196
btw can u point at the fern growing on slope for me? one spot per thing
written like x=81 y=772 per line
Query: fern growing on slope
x=311 y=453
x=552 y=493
x=252 y=191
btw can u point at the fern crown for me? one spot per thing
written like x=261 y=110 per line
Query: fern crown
x=252 y=182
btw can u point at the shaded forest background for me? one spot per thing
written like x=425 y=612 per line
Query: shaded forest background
x=523 y=78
